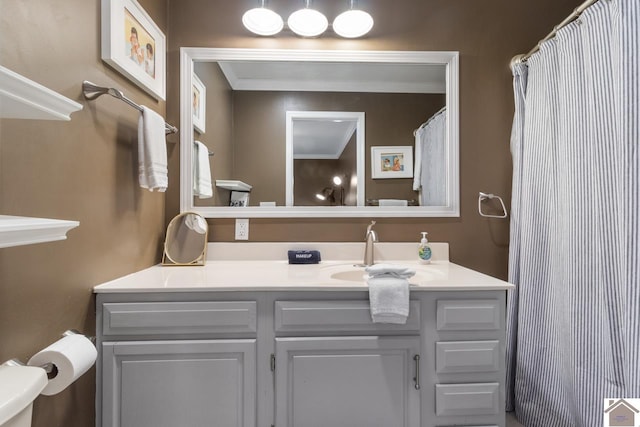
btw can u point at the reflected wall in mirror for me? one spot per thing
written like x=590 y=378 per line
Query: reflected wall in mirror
x=186 y=240
x=249 y=95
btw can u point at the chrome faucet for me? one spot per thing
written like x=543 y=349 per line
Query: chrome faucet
x=370 y=238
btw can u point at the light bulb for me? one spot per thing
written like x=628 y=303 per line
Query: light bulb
x=353 y=23
x=337 y=180
x=307 y=22
x=320 y=196
x=262 y=21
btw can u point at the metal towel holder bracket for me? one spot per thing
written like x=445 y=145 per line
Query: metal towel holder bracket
x=484 y=196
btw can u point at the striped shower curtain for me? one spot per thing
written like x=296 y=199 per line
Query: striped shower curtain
x=573 y=329
x=431 y=158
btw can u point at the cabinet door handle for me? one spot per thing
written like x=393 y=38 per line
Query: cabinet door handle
x=416 y=379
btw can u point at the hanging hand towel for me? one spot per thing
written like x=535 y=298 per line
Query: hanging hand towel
x=202 y=185
x=389 y=293
x=152 y=151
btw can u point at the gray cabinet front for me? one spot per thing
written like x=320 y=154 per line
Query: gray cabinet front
x=179 y=383
x=205 y=360
x=355 y=381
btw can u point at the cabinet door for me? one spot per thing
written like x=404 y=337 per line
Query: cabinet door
x=347 y=381
x=179 y=383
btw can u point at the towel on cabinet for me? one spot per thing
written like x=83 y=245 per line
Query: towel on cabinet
x=389 y=293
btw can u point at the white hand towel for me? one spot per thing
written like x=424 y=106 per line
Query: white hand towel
x=392 y=270
x=389 y=299
x=152 y=151
x=389 y=292
x=202 y=185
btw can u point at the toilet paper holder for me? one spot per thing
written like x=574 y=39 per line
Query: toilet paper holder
x=49 y=368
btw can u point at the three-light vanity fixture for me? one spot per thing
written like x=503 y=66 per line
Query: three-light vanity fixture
x=308 y=22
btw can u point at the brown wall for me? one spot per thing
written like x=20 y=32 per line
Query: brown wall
x=259 y=134
x=487 y=34
x=84 y=170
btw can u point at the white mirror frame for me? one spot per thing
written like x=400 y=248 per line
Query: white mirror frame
x=190 y=54
x=358 y=117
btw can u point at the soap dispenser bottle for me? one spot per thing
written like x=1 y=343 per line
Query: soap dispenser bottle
x=424 y=250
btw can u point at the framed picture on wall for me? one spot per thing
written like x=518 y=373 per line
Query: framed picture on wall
x=134 y=45
x=391 y=162
x=199 y=104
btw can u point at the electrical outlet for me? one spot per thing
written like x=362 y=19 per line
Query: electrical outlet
x=242 y=229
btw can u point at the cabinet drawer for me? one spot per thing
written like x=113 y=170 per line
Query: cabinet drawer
x=458 y=315
x=467 y=399
x=336 y=316
x=167 y=318
x=467 y=356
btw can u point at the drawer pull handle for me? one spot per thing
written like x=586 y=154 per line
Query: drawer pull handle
x=416 y=379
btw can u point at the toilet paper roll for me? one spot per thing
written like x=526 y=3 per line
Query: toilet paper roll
x=72 y=355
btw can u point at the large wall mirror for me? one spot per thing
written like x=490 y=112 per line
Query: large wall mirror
x=302 y=133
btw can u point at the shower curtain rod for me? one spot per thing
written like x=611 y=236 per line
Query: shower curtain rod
x=429 y=120
x=569 y=19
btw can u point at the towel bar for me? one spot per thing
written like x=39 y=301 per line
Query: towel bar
x=92 y=91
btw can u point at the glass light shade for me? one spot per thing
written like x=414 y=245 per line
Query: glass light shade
x=337 y=180
x=320 y=197
x=307 y=22
x=262 y=21
x=353 y=23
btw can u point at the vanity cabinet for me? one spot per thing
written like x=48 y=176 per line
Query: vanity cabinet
x=154 y=375
x=298 y=358
x=179 y=383
x=349 y=381
x=360 y=378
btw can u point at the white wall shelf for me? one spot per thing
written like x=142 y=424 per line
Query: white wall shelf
x=233 y=185
x=21 y=98
x=20 y=230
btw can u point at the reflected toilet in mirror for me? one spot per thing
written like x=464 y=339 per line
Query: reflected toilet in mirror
x=186 y=240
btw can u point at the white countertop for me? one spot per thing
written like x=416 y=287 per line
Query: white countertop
x=336 y=274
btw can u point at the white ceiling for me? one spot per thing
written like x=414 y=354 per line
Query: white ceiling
x=321 y=138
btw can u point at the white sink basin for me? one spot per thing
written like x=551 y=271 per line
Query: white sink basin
x=357 y=274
